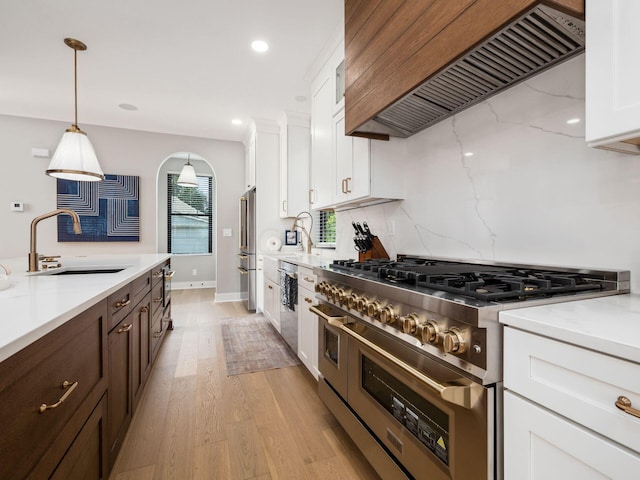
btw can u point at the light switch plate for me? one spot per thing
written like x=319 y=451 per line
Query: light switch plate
x=17 y=206
x=226 y=232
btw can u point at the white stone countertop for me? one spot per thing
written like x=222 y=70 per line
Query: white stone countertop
x=35 y=304
x=609 y=325
x=300 y=259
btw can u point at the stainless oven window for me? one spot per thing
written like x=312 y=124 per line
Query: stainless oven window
x=331 y=346
x=423 y=419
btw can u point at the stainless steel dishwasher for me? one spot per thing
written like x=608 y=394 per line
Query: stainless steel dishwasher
x=289 y=303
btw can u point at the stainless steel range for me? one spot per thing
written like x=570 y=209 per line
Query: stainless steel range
x=410 y=355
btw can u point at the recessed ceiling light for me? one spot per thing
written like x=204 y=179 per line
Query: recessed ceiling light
x=128 y=106
x=571 y=121
x=236 y=121
x=259 y=46
x=468 y=154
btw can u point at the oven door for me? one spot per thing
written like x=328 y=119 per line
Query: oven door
x=332 y=348
x=437 y=424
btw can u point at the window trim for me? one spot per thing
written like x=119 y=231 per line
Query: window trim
x=210 y=216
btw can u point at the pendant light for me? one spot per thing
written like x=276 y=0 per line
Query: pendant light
x=75 y=159
x=187 y=176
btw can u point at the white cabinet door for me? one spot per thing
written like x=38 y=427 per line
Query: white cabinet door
x=250 y=163
x=613 y=74
x=259 y=283
x=308 y=331
x=540 y=445
x=295 y=156
x=353 y=171
x=322 y=157
x=272 y=303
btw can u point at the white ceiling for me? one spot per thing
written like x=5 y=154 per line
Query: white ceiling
x=187 y=65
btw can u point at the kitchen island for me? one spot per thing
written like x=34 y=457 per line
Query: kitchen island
x=76 y=350
x=37 y=303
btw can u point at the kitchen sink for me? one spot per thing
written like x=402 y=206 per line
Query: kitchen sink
x=81 y=270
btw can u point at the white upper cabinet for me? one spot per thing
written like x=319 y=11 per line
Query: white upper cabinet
x=295 y=155
x=250 y=161
x=352 y=163
x=346 y=172
x=321 y=189
x=613 y=75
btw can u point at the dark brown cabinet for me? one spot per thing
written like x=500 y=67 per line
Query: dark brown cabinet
x=129 y=360
x=87 y=456
x=119 y=393
x=141 y=356
x=48 y=390
x=68 y=398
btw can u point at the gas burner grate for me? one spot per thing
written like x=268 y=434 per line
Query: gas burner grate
x=516 y=285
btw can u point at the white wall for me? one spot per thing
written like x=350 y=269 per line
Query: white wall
x=532 y=192
x=124 y=152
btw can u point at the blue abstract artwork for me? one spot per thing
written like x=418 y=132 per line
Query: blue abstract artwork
x=109 y=210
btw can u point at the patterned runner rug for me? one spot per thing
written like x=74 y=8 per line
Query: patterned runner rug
x=251 y=344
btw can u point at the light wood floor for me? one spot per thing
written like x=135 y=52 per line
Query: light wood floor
x=194 y=422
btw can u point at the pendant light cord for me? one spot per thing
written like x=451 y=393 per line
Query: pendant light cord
x=75 y=85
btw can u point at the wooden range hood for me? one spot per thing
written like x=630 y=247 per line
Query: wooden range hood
x=412 y=63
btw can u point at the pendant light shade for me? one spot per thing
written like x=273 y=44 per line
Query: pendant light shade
x=75 y=158
x=187 y=176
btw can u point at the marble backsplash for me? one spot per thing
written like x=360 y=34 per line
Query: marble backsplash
x=510 y=180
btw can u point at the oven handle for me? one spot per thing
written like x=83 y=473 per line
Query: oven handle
x=463 y=395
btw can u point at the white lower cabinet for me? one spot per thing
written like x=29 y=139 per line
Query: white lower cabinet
x=541 y=445
x=560 y=417
x=271 y=291
x=272 y=303
x=307 y=321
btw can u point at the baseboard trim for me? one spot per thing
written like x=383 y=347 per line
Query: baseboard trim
x=230 y=297
x=196 y=284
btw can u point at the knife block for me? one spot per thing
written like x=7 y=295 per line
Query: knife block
x=376 y=251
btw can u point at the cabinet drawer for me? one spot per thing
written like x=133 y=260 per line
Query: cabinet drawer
x=159 y=324
x=156 y=273
x=32 y=379
x=540 y=445
x=578 y=383
x=156 y=298
x=140 y=287
x=306 y=279
x=120 y=304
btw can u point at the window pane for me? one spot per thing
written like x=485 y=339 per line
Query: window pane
x=189 y=234
x=190 y=216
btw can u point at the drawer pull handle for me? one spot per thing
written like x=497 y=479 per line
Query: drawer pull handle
x=308 y=300
x=157 y=300
x=158 y=274
x=169 y=275
x=72 y=386
x=125 y=328
x=307 y=279
x=122 y=303
x=624 y=404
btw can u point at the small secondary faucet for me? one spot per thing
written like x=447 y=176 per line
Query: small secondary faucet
x=304 y=230
x=33 y=255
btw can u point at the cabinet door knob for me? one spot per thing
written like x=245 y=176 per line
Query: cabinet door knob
x=624 y=404
x=72 y=386
x=122 y=303
x=125 y=328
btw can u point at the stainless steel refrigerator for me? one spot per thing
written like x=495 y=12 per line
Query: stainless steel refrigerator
x=247 y=253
